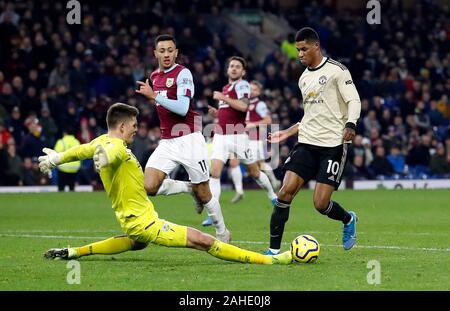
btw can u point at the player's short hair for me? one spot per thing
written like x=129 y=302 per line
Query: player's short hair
x=165 y=37
x=307 y=34
x=239 y=59
x=119 y=112
x=258 y=84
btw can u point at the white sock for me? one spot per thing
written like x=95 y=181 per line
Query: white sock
x=269 y=172
x=214 y=185
x=274 y=251
x=215 y=212
x=72 y=253
x=170 y=186
x=236 y=177
x=263 y=182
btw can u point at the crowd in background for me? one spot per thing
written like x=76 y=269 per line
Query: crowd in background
x=57 y=78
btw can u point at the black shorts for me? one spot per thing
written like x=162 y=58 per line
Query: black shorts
x=324 y=164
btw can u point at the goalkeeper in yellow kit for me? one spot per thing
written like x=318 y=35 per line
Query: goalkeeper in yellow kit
x=123 y=180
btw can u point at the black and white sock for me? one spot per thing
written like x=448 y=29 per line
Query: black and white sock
x=336 y=212
x=280 y=216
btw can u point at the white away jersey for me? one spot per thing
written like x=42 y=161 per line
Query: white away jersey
x=330 y=100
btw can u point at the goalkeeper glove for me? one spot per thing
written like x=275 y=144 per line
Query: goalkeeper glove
x=49 y=161
x=100 y=158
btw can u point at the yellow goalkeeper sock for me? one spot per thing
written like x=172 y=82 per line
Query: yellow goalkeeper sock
x=232 y=253
x=109 y=246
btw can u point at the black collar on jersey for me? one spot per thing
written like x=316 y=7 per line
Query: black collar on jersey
x=317 y=68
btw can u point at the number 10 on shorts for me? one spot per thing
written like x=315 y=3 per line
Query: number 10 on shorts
x=333 y=167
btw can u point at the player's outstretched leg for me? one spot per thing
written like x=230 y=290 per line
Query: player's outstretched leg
x=262 y=180
x=214 y=184
x=202 y=241
x=111 y=246
x=276 y=184
x=204 y=195
x=236 y=177
x=171 y=186
x=280 y=215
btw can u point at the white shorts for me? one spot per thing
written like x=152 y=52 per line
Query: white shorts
x=257 y=148
x=188 y=150
x=226 y=146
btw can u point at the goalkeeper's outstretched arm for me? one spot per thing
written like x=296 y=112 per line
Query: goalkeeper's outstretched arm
x=53 y=158
x=111 y=153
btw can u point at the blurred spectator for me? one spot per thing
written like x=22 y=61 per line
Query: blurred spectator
x=371 y=122
x=380 y=164
x=358 y=170
x=439 y=164
x=49 y=128
x=67 y=173
x=59 y=77
x=436 y=117
x=10 y=15
x=4 y=134
x=15 y=125
x=288 y=46
x=397 y=160
x=32 y=143
x=32 y=176
x=7 y=99
x=418 y=157
x=14 y=171
x=141 y=143
x=422 y=120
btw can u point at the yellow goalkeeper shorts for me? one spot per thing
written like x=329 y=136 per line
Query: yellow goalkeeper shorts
x=150 y=229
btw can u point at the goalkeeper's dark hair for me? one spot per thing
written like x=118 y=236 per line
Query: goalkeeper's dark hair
x=239 y=59
x=307 y=34
x=118 y=113
x=165 y=37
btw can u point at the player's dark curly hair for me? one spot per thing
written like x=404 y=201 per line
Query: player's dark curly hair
x=118 y=113
x=307 y=34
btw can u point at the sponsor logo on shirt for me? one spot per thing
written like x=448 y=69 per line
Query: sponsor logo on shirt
x=169 y=82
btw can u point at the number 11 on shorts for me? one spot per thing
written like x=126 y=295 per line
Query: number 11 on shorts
x=202 y=165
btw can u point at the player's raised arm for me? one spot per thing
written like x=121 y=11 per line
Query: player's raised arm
x=146 y=90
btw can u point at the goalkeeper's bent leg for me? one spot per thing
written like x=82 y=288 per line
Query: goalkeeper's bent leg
x=111 y=246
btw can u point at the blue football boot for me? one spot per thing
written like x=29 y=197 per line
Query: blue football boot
x=349 y=233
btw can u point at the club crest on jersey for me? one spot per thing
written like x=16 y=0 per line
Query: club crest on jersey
x=322 y=80
x=169 y=82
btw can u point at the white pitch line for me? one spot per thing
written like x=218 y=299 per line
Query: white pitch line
x=58 y=231
x=367 y=246
x=286 y=232
x=49 y=236
x=238 y=242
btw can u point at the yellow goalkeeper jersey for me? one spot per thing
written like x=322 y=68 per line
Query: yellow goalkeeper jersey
x=123 y=178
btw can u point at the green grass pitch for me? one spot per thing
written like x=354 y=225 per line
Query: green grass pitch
x=406 y=231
